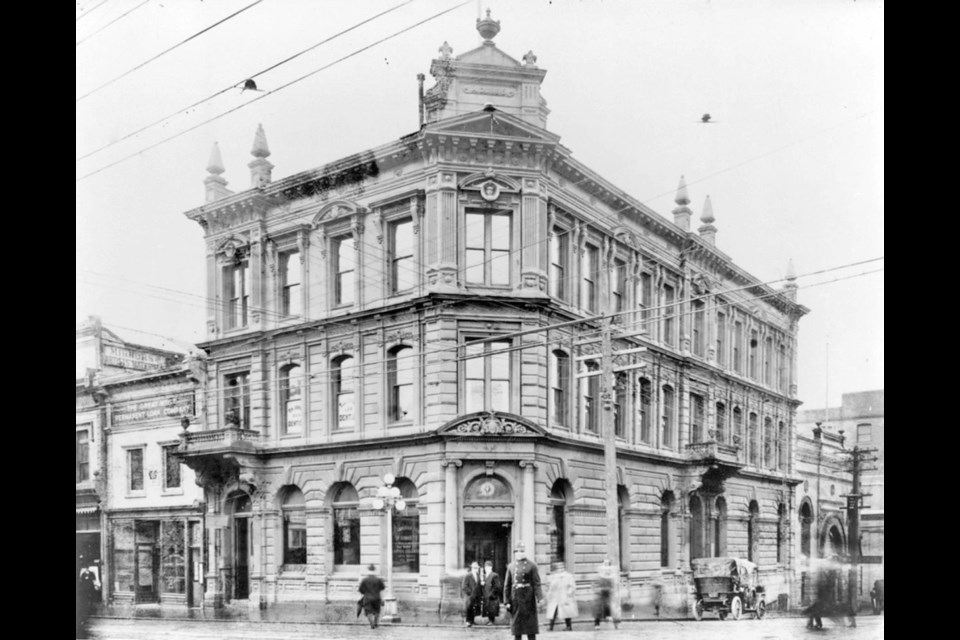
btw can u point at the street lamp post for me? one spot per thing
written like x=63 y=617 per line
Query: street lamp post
x=389 y=498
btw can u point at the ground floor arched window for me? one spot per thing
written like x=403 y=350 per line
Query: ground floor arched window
x=346 y=525
x=406 y=529
x=696 y=527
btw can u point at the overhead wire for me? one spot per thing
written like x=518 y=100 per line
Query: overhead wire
x=234 y=85
x=271 y=92
x=166 y=51
x=123 y=15
x=91 y=10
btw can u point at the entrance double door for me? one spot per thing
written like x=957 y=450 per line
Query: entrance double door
x=487 y=540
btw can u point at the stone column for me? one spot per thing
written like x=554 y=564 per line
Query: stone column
x=257 y=307
x=528 y=508
x=442 y=241
x=451 y=518
x=533 y=239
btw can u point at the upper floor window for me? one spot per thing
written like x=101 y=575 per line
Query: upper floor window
x=737 y=425
x=753 y=440
x=620 y=404
x=646 y=300
x=403 y=272
x=487 y=376
x=236 y=399
x=782 y=443
x=738 y=347
x=721 y=435
x=236 y=294
x=341 y=392
x=400 y=368
x=291 y=406
x=698 y=337
x=768 y=443
x=559 y=263
x=290 y=303
x=864 y=433
x=646 y=411
x=754 y=344
x=669 y=417
x=344 y=270
x=696 y=417
x=590 y=271
x=721 y=339
x=560 y=383
x=784 y=384
x=488 y=248
x=171 y=468
x=590 y=389
x=669 y=313
x=768 y=356
x=618 y=286
x=135 y=469
x=83 y=456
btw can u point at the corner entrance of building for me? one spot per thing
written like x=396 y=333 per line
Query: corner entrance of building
x=487 y=541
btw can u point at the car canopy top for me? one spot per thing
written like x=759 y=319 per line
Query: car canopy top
x=721 y=567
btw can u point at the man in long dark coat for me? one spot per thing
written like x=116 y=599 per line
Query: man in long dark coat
x=471 y=589
x=522 y=592
x=492 y=592
x=371 y=587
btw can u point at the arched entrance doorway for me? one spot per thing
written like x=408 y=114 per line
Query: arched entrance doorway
x=239 y=507
x=487 y=522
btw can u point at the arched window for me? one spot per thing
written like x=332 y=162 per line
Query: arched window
x=669 y=417
x=696 y=527
x=341 y=392
x=781 y=446
x=720 y=528
x=346 y=525
x=768 y=443
x=623 y=503
x=806 y=523
x=646 y=411
x=294 y=527
x=406 y=530
x=752 y=524
x=696 y=417
x=400 y=374
x=291 y=405
x=666 y=530
x=737 y=425
x=754 y=440
x=561 y=495
x=781 y=532
x=721 y=431
x=560 y=383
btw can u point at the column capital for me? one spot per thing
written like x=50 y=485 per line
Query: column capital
x=447 y=462
x=529 y=464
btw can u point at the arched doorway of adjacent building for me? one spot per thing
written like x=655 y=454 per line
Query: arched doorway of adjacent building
x=239 y=507
x=487 y=522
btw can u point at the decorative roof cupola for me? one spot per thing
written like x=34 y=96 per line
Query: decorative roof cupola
x=486 y=76
x=790 y=287
x=681 y=215
x=707 y=231
x=260 y=167
x=215 y=184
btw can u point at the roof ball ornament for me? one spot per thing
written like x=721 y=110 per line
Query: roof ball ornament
x=488 y=28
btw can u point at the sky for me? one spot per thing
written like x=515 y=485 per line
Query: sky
x=792 y=159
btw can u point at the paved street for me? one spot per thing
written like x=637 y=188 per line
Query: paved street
x=869 y=627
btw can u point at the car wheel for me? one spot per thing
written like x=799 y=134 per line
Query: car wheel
x=698 y=609
x=761 y=609
x=736 y=607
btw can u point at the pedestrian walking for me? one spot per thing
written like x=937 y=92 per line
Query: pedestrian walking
x=562 y=597
x=522 y=592
x=606 y=605
x=371 y=587
x=472 y=591
x=86 y=600
x=492 y=592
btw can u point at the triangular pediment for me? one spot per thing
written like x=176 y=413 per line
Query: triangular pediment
x=491 y=424
x=488 y=55
x=496 y=123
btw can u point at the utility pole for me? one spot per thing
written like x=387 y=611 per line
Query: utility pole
x=854 y=504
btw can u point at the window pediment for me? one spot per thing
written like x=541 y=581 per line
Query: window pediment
x=338 y=210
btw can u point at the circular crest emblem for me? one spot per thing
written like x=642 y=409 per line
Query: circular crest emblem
x=490 y=191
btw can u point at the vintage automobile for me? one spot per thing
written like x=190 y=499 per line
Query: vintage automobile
x=876 y=596
x=729 y=586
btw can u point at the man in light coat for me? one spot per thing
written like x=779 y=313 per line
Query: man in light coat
x=562 y=597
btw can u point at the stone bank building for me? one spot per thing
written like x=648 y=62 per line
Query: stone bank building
x=424 y=309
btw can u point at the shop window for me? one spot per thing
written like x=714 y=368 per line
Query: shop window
x=346 y=526
x=83 y=456
x=406 y=529
x=400 y=376
x=488 y=240
x=291 y=400
x=171 y=468
x=403 y=272
x=294 y=527
x=487 y=376
x=135 y=469
x=342 y=380
x=173 y=568
x=290 y=268
x=123 y=555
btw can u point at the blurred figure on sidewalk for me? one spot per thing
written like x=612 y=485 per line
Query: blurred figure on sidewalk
x=605 y=605
x=562 y=597
x=371 y=586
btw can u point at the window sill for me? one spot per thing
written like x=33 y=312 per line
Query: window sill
x=291 y=436
x=400 y=423
x=178 y=491
x=136 y=494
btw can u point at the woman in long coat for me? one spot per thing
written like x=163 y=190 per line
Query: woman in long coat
x=562 y=597
x=522 y=592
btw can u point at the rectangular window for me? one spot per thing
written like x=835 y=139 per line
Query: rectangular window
x=342 y=377
x=487 y=376
x=699 y=336
x=344 y=269
x=400 y=377
x=618 y=285
x=291 y=405
x=236 y=399
x=696 y=417
x=403 y=271
x=590 y=387
x=560 y=370
x=784 y=384
x=620 y=405
x=123 y=552
x=294 y=536
x=646 y=415
x=236 y=294
x=768 y=356
x=721 y=430
x=588 y=289
x=83 y=456
x=753 y=440
x=864 y=433
x=738 y=347
x=668 y=418
x=290 y=303
x=646 y=300
x=754 y=343
x=669 y=313
x=135 y=469
x=559 y=260
x=171 y=468
x=488 y=248
x=721 y=339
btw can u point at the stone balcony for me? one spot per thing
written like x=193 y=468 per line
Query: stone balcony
x=220 y=454
x=711 y=450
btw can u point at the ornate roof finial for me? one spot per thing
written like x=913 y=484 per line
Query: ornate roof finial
x=790 y=286
x=682 y=197
x=215 y=163
x=488 y=28
x=445 y=50
x=707 y=215
x=530 y=59
x=260 y=148
x=791 y=272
